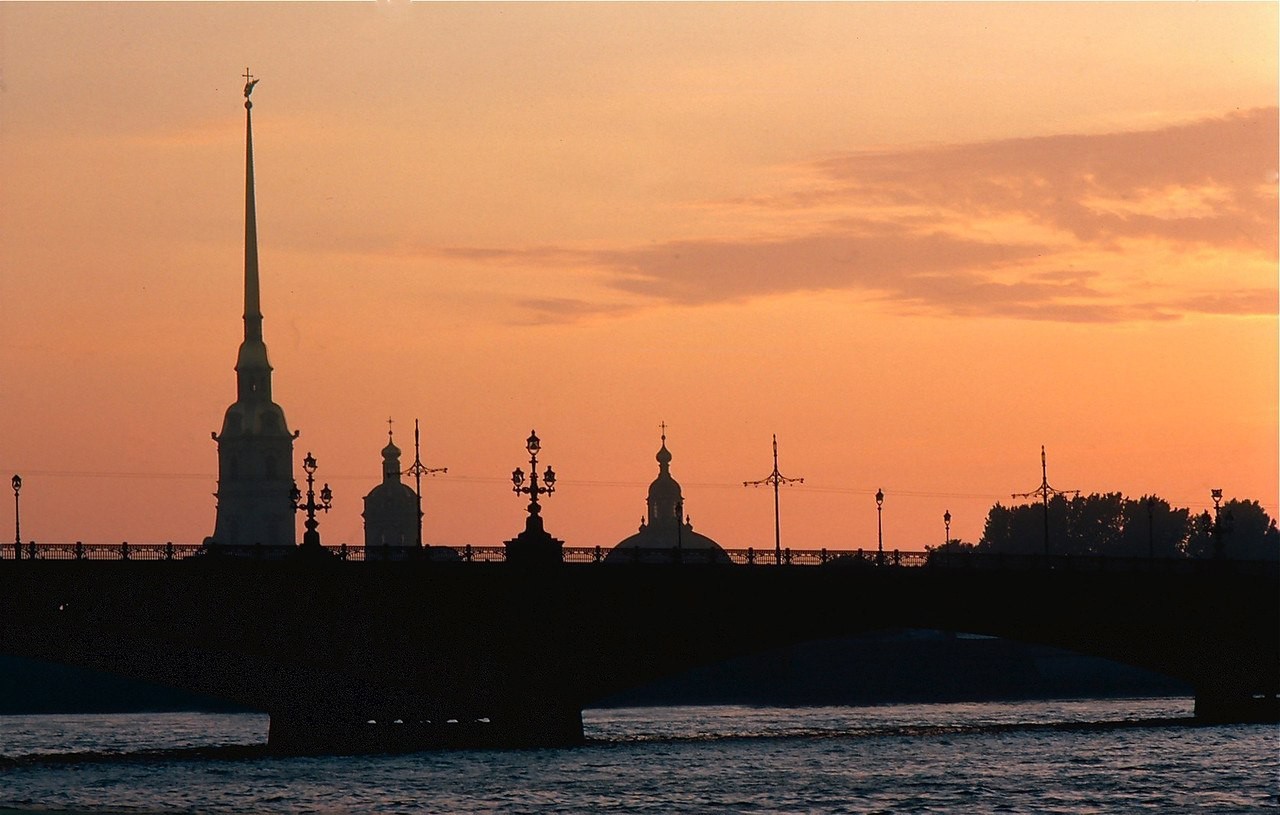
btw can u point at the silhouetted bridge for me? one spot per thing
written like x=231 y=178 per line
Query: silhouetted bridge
x=456 y=647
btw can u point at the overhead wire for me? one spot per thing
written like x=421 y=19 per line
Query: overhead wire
x=609 y=483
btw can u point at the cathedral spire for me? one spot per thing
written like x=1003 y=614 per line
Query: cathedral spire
x=255 y=447
x=253 y=370
x=252 y=304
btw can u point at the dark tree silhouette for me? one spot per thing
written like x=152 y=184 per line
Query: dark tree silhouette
x=1247 y=533
x=1200 y=536
x=1020 y=530
x=953 y=545
x=1253 y=534
x=1151 y=527
x=1114 y=526
x=1094 y=525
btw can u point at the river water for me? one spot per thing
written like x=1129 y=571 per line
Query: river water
x=1094 y=756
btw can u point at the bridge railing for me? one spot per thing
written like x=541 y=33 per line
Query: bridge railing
x=832 y=558
x=462 y=554
x=98 y=551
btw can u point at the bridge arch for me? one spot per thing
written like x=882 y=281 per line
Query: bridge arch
x=325 y=647
x=899 y=666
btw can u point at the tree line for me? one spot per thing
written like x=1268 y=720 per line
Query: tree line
x=1113 y=525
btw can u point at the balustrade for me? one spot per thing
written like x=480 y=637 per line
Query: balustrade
x=750 y=557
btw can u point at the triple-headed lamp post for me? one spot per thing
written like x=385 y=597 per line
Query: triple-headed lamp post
x=533 y=489
x=311 y=537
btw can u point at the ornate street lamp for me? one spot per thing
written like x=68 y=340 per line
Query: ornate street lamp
x=880 y=526
x=946 y=520
x=775 y=479
x=1044 y=491
x=533 y=489
x=534 y=546
x=311 y=537
x=417 y=469
x=17 y=517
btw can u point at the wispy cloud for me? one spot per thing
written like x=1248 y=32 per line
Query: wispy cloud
x=1064 y=228
x=1212 y=181
x=544 y=310
x=871 y=256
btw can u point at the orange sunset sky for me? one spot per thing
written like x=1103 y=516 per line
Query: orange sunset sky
x=917 y=241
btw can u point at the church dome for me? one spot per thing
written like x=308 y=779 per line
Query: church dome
x=391 y=457
x=650 y=545
x=666 y=530
x=254 y=419
x=392 y=493
x=666 y=501
x=391 y=508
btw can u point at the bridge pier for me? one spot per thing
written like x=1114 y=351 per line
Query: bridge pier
x=1235 y=706
x=331 y=733
x=293 y=734
x=539 y=727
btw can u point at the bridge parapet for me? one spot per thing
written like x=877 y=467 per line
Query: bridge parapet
x=799 y=558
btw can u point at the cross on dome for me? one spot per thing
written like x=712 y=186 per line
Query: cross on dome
x=664 y=455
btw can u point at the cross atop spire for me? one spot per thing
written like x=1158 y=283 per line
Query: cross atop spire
x=249 y=82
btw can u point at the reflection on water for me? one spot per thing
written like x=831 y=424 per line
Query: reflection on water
x=1067 y=757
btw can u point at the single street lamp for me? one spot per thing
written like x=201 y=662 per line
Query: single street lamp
x=533 y=489
x=1151 y=527
x=679 y=528
x=17 y=518
x=311 y=537
x=1217 y=522
x=880 y=526
x=946 y=520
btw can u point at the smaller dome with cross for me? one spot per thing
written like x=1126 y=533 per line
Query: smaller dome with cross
x=391 y=508
x=666 y=533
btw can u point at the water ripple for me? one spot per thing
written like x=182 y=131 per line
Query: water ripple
x=1053 y=757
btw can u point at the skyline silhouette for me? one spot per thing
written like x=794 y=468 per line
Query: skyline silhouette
x=912 y=293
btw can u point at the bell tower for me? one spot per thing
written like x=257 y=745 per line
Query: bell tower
x=255 y=447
